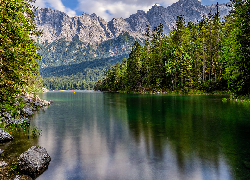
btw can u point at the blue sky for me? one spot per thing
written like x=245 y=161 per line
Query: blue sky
x=108 y=9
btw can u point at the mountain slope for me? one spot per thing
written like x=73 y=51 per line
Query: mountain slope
x=62 y=52
x=91 y=28
x=88 y=43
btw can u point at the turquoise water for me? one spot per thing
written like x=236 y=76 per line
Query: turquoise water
x=110 y=136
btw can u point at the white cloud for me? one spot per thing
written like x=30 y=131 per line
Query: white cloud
x=55 y=4
x=70 y=12
x=108 y=9
x=40 y=3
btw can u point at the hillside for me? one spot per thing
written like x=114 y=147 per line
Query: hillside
x=92 y=29
x=89 y=40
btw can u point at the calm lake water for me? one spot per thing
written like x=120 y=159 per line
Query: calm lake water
x=104 y=136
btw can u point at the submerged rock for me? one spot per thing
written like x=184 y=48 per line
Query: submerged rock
x=34 y=161
x=4 y=136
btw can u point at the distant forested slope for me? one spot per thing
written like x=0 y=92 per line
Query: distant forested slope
x=63 y=58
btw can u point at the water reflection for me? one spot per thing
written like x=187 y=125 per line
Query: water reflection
x=120 y=136
x=13 y=149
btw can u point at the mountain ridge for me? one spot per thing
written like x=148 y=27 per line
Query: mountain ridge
x=92 y=28
x=81 y=48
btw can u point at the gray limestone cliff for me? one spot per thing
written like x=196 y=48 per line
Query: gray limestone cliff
x=192 y=10
x=91 y=28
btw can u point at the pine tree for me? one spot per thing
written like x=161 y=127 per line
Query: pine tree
x=134 y=78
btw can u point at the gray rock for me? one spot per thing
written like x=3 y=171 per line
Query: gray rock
x=7 y=115
x=28 y=111
x=21 y=120
x=92 y=29
x=34 y=161
x=4 y=136
x=3 y=164
x=22 y=177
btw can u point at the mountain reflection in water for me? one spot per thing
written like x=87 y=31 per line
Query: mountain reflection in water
x=93 y=135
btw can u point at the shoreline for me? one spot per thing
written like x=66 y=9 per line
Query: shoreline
x=19 y=128
x=166 y=92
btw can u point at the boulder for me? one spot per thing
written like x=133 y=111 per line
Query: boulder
x=33 y=162
x=4 y=136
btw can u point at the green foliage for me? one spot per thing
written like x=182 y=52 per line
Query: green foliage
x=13 y=128
x=18 y=53
x=35 y=132
x=187 y=59
x=97 y=65
x=236 y=51
x=74 y=65
x=210 y=55
x=79 y=81
x=13 y=167
x=224 y=100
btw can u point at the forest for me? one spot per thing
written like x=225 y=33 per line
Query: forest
x=62 y=61
x=83 y=81
x=208 y=55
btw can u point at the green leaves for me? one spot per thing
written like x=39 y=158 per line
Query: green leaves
x=208 y=55
x=18 y=52
x=236 y=52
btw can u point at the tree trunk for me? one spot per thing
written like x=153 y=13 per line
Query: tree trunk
x=203 y=51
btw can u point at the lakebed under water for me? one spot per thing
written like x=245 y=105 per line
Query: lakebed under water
x=110 y=136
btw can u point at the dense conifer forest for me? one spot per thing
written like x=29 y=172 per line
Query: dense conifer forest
x=209 y=55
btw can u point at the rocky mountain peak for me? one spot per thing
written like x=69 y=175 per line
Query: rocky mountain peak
x=91 y=28
x=94 y=16
x=189 y=2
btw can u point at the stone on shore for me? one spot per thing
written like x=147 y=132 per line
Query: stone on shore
x=3 y=164
x=45 y=90
x=10 y=120
x=4 y=136
x=33 y=162
x=22 y=177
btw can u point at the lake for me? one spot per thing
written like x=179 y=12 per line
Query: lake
x=110 y=136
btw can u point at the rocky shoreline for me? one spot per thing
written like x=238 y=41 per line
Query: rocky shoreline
x=32 y=103
x=23 y=170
